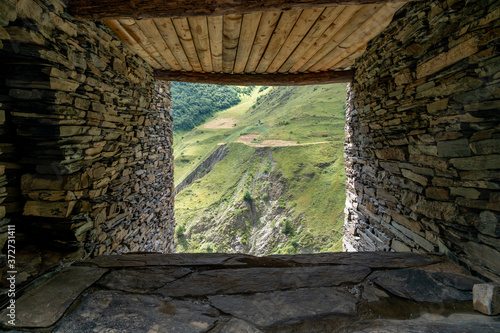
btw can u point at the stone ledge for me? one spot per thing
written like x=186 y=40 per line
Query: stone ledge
x=331 y=292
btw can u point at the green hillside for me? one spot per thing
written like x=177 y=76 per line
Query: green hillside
x=194 y=103
x=280 y=189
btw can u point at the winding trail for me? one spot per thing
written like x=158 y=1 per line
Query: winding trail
x=270 y=158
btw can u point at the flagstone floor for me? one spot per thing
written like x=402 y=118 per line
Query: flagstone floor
x=331 y=292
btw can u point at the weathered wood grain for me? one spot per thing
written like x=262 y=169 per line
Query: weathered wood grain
x=149 y=29
x=326 y=37
x=215 y=33
x=358 y=38
x=184 y=32
x=132 y=42
x=324 y=21
x=199 y=31
x=285 y=25
x=363 y=15
x=301 y=28
x=248 y=30
x=267 y=25
x=167 y=30
x=230 y=37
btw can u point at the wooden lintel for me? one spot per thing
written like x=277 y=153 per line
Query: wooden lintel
x=98 y=9
x=300 y=79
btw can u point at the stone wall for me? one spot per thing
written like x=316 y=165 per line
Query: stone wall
x=423 y=136
x=86 y=136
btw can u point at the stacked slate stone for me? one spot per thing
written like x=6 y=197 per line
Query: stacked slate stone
x=423 y=136
x=3 y=220
x=87 y=140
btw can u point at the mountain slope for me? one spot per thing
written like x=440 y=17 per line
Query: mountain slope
x=194 y=103
x=279 y=189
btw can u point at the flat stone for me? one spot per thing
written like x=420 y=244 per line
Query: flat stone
x=260 y=279
x=457 y=281
x=487 y=298
x=142 y=280
x=391 y=154
x=437 y=193
x=486 y=147
x=271 y=309
x=453 y=148
x=399 y=246
x=415 y=177
x=469 y=193
x=485 y=162
x=368 y=259
x=371 y=294
x=423 y=149
x=458 y=322
x=421 y=241
x=484 y=255
x=436 y=209
x=423 y=286
x=114 y=311
x=186 y=259
x=240 y=326
x=49 y=297
x=49 y=209
x=488 y=223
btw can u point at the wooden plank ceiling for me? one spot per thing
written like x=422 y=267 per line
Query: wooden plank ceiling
x=309 y=45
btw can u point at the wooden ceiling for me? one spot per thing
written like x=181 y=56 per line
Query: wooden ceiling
x=259 y=42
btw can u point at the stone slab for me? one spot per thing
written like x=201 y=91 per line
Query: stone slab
x=260 y=279
x=458 y=322
x=142 y=280
x=240 y=326
x=368 y=259
x=48 y=298
x=423 y=286
x=486 y=298
x=186 y=259
x=457 y=281
x=271 y=309
x=114 y=311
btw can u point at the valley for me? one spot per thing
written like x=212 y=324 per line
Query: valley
x=265 y=176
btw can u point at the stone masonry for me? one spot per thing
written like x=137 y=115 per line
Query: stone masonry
x=423 y=136
x=86 y=135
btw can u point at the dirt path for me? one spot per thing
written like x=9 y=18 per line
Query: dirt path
x=270 y=158
x=221 y=123
x=249 y=138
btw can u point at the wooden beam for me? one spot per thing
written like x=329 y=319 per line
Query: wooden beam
x=98 y=9
x=215 y=30
x=257 y=79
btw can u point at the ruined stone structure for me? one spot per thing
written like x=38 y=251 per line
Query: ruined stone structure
x=423 y=136
x=86 y=141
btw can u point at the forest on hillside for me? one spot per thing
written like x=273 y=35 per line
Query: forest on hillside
x=195 y=103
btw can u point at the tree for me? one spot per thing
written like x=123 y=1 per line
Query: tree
x=194 y=103
x=247 y=196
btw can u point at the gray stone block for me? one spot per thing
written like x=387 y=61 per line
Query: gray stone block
x=486 y=298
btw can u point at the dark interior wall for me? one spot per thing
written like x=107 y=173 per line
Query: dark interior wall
x=86 y=139
x=423 y=136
